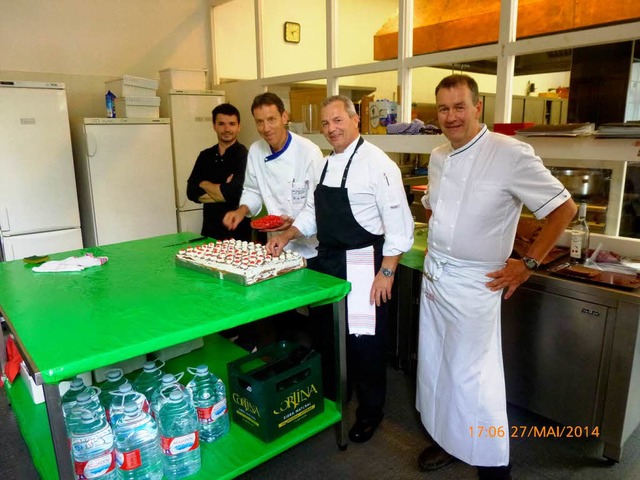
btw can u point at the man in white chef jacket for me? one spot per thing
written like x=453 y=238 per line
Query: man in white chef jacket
x=363 y=224
x=282 y=171
x=478 y=183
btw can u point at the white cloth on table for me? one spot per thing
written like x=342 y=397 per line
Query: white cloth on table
x=71 y=264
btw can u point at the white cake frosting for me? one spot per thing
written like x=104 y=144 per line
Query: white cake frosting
x=247 y=259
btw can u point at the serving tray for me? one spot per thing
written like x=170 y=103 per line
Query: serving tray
x=232 y=277
x=607 y=279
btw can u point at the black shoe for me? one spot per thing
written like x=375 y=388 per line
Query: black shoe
x=362 y=431
x=494 y=473
x=433 y=457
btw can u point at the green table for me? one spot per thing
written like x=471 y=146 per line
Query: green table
x=136 y=303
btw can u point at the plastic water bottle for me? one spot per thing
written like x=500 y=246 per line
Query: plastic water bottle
x=210 y=399
x=87 y=401
x=161 y=394
x=120 y=398
x=149 y=379
x=179 y=438
x=138 y=453
x=68 y=400
x=115 y=378
x=92 y=448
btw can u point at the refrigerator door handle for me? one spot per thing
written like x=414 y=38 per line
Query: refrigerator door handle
x=92 y=145
x=5 y=226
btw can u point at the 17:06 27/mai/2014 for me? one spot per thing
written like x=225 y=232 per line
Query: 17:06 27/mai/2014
x=534 y=431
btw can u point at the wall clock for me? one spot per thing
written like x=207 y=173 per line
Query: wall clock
x=291 y=32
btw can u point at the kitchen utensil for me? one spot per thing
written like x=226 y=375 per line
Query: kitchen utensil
x=197 y=239
x=581 y=183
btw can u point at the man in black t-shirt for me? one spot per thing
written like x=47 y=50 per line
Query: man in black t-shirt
x=218 y=174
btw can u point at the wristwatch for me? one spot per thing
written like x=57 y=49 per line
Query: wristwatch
x=387 y=272
x=530 y=263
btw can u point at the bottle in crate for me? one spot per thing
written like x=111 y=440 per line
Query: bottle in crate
x=121 y=397
x=210 y=399
x=179 y=438
x=137 y=442
x=149 y=379
x=92 y=448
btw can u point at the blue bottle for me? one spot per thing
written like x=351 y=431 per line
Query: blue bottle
x=110 y=100
x=137 y=440
x=210 y=399
x=115 y=378
x=161 y=394
x=121 y=397
x=92 y=448
x=149 y=379
x=179 y=439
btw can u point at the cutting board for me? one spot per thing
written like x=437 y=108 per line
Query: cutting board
x=608 y=279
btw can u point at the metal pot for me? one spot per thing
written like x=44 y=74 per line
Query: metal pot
x=581 y=183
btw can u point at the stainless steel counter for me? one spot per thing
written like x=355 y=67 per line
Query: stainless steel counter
x=572 y=354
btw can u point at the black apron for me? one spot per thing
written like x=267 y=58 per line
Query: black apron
x=338 y=230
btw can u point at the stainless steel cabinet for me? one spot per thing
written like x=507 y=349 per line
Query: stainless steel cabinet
x=553 y=355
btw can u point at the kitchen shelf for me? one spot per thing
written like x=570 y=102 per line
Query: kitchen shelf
x=391 y=143
x=228 y=457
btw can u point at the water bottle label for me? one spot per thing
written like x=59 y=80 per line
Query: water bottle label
x=102 y=438
x=129 y=460
x=212 y=413
x=96 y=467
x=181 y=444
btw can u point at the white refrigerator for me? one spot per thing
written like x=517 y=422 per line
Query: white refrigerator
x=192 y=132
x=38 y=201
x=125 y=178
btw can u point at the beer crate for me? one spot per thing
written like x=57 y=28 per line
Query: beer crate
x=275 y=389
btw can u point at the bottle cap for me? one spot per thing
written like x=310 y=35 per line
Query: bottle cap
x=84 y=397
x=114 y=375
x=149 y=366
x=130 y=408
x=176 y=396
x=86 y=417
x=76 y=384
x=125 y=388
x=202 y=370
x=168 y=378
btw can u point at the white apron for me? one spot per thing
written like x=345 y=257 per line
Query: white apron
x=460 y=382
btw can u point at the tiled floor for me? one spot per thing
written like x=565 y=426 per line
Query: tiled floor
x=392 y=453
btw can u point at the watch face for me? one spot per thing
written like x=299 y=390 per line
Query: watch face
x=292 y=32
x=387 y=272
x=530 y=263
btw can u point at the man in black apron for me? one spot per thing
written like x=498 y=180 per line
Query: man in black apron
x=363 y=223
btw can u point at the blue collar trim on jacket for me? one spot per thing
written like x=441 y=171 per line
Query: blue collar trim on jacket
x=275 y=155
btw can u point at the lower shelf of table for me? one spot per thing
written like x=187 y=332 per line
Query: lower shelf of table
x=232 y=455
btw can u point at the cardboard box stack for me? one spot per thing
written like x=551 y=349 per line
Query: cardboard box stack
x=135 y=96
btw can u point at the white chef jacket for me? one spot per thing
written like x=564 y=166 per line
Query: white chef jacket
x=283 y=181
x=376 y=194
x=477 y=191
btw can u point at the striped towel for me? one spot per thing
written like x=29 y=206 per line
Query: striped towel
x=361 y=272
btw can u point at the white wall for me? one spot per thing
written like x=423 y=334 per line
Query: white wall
x=83 y=43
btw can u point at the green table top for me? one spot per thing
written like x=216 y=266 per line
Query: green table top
x=136 y=303
x=414 y=258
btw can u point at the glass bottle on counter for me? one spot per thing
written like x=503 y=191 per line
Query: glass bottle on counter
x=580 y=237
